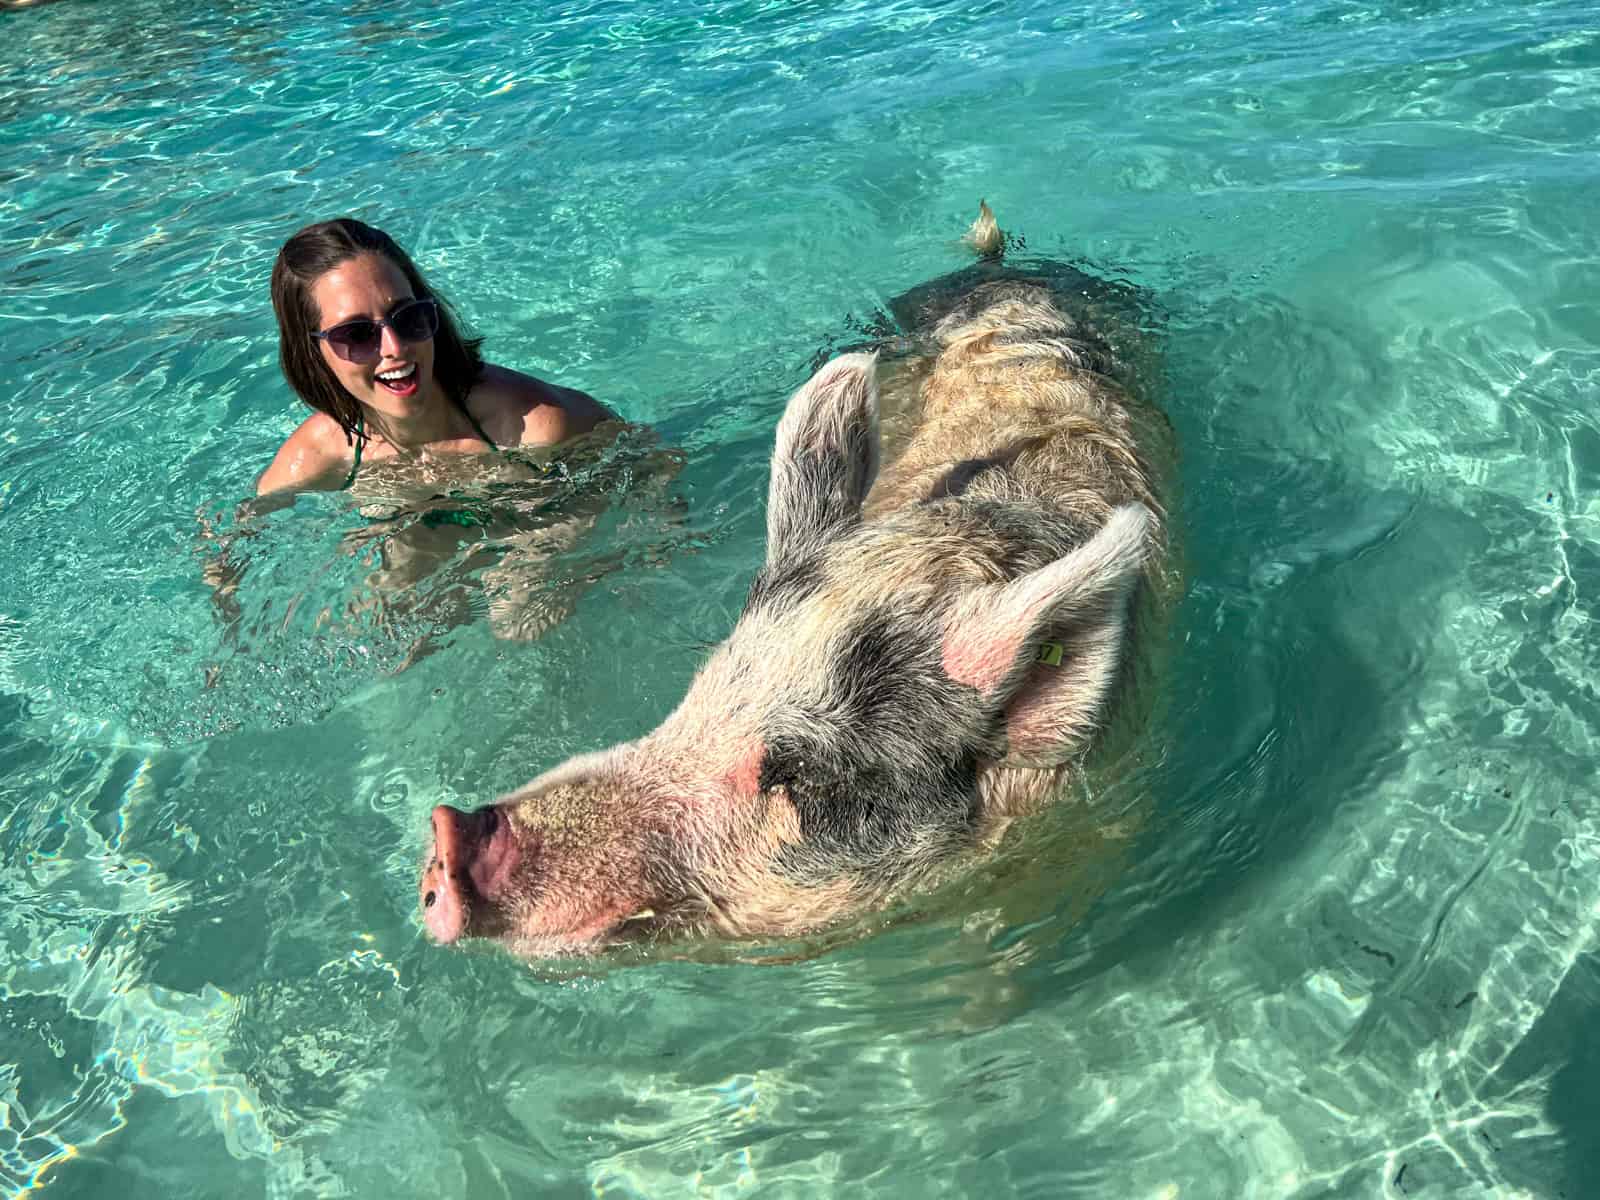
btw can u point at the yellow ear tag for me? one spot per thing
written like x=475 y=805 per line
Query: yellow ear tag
x=1049 y=654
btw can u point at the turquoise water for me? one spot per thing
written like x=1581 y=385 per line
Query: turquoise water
x=1352 y=951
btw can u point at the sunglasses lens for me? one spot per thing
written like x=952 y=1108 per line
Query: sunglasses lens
x=416 y=322
x=355 y=340
x=362 y=341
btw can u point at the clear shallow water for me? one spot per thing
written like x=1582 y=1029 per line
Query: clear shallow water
x=1352 y=951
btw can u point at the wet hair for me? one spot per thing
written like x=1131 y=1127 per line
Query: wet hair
x=306 y=257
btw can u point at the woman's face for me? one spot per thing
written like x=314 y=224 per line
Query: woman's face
x=399 y=382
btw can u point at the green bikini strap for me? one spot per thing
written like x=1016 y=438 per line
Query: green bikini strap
x=361 y=440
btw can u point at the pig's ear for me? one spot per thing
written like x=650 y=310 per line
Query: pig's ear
x=1045 y=649
x=826 y=457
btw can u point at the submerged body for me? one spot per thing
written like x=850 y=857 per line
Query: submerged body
x=926 y=651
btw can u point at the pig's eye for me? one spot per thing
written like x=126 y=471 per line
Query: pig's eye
x=780 y=769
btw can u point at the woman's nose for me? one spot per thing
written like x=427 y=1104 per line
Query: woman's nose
x=391 y=341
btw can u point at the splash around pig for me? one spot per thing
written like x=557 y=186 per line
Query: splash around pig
x=933 y=644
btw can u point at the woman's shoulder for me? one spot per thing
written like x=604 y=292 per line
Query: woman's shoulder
x=529 y=411
x=316 y=456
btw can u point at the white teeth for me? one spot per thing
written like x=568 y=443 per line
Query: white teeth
x=402 y=373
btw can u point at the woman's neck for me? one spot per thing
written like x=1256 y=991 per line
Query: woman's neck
x=440 y=420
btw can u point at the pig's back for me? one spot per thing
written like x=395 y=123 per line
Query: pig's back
x=1021 y=400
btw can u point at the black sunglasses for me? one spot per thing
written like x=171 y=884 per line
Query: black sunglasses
x=361 y=341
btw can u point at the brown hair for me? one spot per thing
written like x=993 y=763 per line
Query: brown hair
x=305 y=258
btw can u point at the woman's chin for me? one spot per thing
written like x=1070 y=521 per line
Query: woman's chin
x=407 y=391
x=394 y=402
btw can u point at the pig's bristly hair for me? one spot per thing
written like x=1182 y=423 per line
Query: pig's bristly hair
x=825 y=457
x=1018 y=513
x=879 y=706
x=1025 y=462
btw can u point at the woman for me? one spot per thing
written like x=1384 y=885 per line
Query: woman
x=367 y=343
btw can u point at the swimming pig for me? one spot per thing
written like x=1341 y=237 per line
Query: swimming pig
x=928 y=649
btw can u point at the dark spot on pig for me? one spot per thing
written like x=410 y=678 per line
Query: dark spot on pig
x=960 y=476
x=875 y=678
x=429 y=900
x=889 y=691
x=867 y=816
x=877 y=769
x=783 y=585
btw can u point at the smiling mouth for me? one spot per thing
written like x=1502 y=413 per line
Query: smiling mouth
x=401 y=381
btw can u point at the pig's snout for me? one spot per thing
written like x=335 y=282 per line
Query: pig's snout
x=472 y=856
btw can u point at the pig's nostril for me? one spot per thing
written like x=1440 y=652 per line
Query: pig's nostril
x=428 y=900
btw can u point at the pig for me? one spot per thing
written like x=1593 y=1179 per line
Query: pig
x=932 y=647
